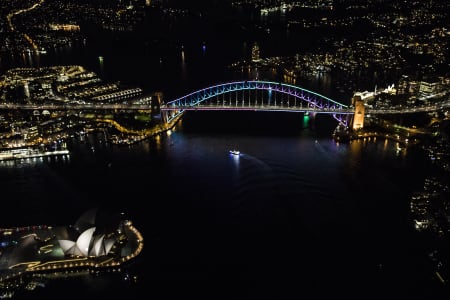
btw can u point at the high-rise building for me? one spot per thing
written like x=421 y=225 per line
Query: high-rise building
x=255 y=53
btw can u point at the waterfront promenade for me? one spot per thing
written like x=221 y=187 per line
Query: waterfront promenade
x=42 y=248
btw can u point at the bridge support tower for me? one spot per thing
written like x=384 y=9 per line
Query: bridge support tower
x=164 y=116
x=157 y=100
x=358 y=117
x=311 y=119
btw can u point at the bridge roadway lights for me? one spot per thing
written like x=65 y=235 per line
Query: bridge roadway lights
x=290 y=97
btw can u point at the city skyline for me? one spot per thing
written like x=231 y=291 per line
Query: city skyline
x=104 y=79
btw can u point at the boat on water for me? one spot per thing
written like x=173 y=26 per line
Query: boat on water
x=235 y=152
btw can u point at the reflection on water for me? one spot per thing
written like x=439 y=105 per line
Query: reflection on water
x=290 y=197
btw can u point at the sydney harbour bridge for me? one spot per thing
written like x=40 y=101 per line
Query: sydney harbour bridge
x=241 y=96
x=282 y=97
x=256 y=96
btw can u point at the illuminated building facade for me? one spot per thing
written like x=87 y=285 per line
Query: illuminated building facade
x=255 y=53
x=86 y=244
x=429 y=88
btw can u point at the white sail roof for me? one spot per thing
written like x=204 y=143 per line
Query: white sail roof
x=108 y=245
x=66 y=245
x=87 y=244
x=84 y=240
x=98 y=248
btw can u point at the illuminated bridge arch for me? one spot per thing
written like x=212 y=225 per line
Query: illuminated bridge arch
x=256 y=96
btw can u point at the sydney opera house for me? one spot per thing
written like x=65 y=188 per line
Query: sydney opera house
x=94 y=241
x=85 y=239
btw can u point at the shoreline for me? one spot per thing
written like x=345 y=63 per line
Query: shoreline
x=62 y=264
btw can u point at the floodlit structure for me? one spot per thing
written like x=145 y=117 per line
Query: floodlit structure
x=88 y=240
x=255 y=53
x=93 y=242
x=358 y=117
x=87 y=244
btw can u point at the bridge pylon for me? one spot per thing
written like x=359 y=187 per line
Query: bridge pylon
x=164 y=116
x=357 y=121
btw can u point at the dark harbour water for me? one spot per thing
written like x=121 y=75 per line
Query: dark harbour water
x=295 y=214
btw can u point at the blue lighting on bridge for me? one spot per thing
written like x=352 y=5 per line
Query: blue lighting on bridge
x=287 y=98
